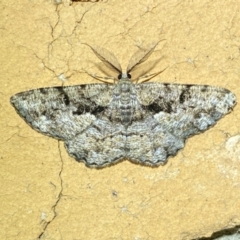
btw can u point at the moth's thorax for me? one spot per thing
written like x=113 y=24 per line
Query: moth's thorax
x=125 y=106
x=125 y=90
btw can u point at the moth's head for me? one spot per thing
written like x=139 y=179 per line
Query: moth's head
x=124 y=76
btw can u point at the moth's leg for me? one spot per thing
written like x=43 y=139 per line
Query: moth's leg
x=101 y=78
x=148 y=76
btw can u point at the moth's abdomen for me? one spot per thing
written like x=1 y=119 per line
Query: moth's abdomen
x=127 y=113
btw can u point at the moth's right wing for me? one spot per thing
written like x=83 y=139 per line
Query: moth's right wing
x=63 y=112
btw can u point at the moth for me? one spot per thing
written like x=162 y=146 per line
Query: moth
x=103 y=123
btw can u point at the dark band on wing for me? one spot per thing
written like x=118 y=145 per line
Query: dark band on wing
x=88 y=107
x=160 y=106
x=185 y=94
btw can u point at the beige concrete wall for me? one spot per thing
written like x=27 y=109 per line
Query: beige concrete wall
x=47 y=194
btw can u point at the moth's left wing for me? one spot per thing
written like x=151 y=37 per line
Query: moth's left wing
x=62 y=112
x=180 y=111
x=181 y=107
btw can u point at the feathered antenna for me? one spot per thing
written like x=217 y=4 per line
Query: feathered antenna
x=107 y=58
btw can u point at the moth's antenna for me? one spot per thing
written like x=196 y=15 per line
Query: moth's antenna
x=107 y=58
x=141 y=56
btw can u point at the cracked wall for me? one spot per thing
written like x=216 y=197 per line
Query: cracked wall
x=45 y=193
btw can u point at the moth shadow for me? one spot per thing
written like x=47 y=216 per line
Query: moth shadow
x=111 y=164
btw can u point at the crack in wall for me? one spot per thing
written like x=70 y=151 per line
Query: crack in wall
x=58 y=198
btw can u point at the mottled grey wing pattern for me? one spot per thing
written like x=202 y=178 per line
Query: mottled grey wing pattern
x=177 y=112
x=87 y=118
x=193 y=108
x=62 y=112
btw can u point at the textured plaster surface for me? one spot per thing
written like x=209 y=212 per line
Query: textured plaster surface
x=45 y=194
